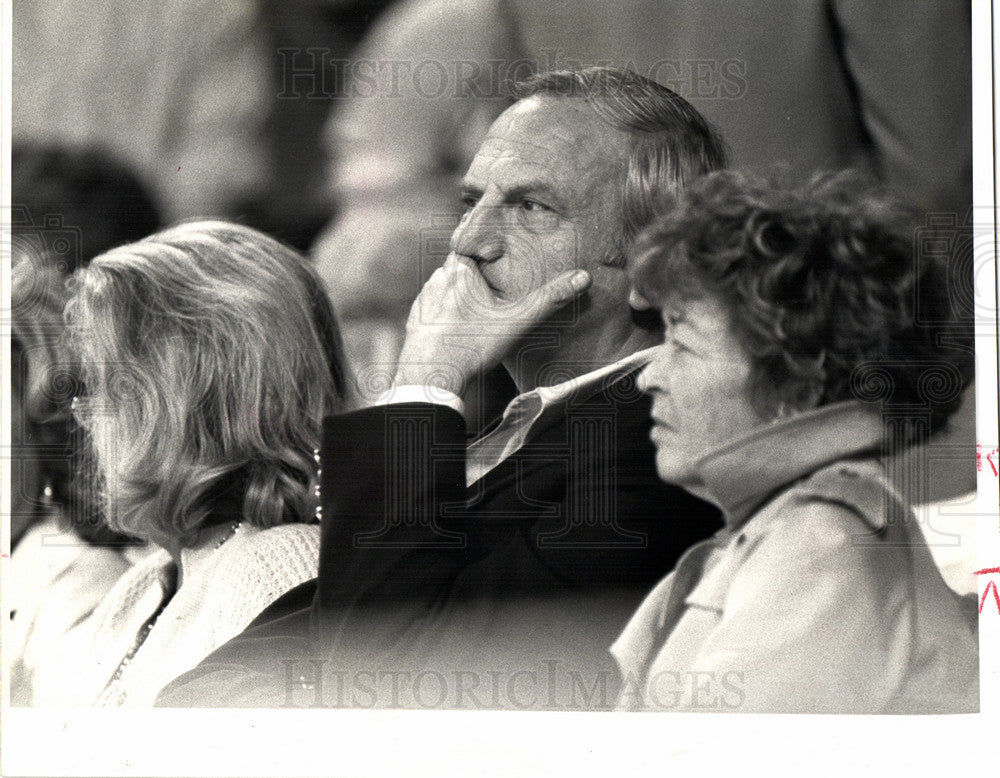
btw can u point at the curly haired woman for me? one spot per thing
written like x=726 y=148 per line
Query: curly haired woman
x=794 y=359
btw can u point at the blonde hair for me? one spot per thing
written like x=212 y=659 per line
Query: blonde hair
x=210 y=353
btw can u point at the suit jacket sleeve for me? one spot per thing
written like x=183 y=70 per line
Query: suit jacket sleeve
x=392 y=477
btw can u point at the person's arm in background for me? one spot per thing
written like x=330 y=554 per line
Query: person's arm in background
x=423 y=94
x=912 y=71
x=215 y=108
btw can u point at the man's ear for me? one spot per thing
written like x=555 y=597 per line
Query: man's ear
x=616 y=257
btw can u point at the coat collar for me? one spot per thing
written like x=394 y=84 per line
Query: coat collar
x=742 y=474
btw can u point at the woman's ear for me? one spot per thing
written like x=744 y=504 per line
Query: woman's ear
x=813 y=397
x=810 y=397
x=812 y=393
x=806 y=398
x=806 y=393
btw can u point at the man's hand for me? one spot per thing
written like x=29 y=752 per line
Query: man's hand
x=458 y=327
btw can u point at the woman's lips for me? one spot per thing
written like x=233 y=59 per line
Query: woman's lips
x=659 y=431
x=659 y=423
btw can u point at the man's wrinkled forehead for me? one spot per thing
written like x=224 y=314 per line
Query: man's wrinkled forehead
x=550 y=131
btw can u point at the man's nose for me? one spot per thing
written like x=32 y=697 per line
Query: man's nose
x=479 y=235
x=638 y=302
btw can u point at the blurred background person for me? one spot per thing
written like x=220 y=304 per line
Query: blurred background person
x=72 y=203
x=69 y=205
x=209 y=355
x=63 y=559
x=310 y=47
x=41 y=375
x=179 y=90
x=218 y=106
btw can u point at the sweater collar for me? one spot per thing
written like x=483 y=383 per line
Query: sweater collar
x=742 y=474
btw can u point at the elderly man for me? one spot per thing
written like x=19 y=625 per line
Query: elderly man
x=562 y=182
x=538 y=542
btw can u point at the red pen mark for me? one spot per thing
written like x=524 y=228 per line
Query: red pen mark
x=994 y=454
x=178 y=169
x=5 y=556
x=990 y=586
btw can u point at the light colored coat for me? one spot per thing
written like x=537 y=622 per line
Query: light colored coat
x=819 y=595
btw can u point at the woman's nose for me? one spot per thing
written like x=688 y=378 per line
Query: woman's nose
x=644 y=380
x=653 y=375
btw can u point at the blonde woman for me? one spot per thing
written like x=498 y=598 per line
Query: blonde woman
x=210 y=354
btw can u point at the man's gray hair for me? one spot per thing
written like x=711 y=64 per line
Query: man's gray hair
x=671 y=143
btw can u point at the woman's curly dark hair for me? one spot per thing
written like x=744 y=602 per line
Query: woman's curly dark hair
x=826 y=292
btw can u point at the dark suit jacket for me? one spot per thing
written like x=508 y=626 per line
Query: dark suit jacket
x=532 y=572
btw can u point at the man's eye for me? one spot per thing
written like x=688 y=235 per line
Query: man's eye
x=670 y=320
x=533 y=205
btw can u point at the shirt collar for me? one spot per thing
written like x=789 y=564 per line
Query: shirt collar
x=742 y=474
x=525 y=409
x=530 y=410
x=559 y=393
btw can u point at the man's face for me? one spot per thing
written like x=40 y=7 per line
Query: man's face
x=542 y=196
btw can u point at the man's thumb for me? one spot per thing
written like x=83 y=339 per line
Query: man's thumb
x=549 y=298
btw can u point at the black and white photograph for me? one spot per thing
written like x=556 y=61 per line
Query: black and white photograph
x=473 y=387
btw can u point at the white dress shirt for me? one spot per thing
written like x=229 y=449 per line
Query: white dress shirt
x=521 y=414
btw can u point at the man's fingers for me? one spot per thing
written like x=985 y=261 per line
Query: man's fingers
x=567 y=287
x=550 y=297
x=472 y=293
x=457 y=294
x=454 y=259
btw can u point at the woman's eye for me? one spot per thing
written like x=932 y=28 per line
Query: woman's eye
x=678 y=346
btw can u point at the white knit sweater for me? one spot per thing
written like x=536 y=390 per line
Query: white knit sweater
x=224 y=587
